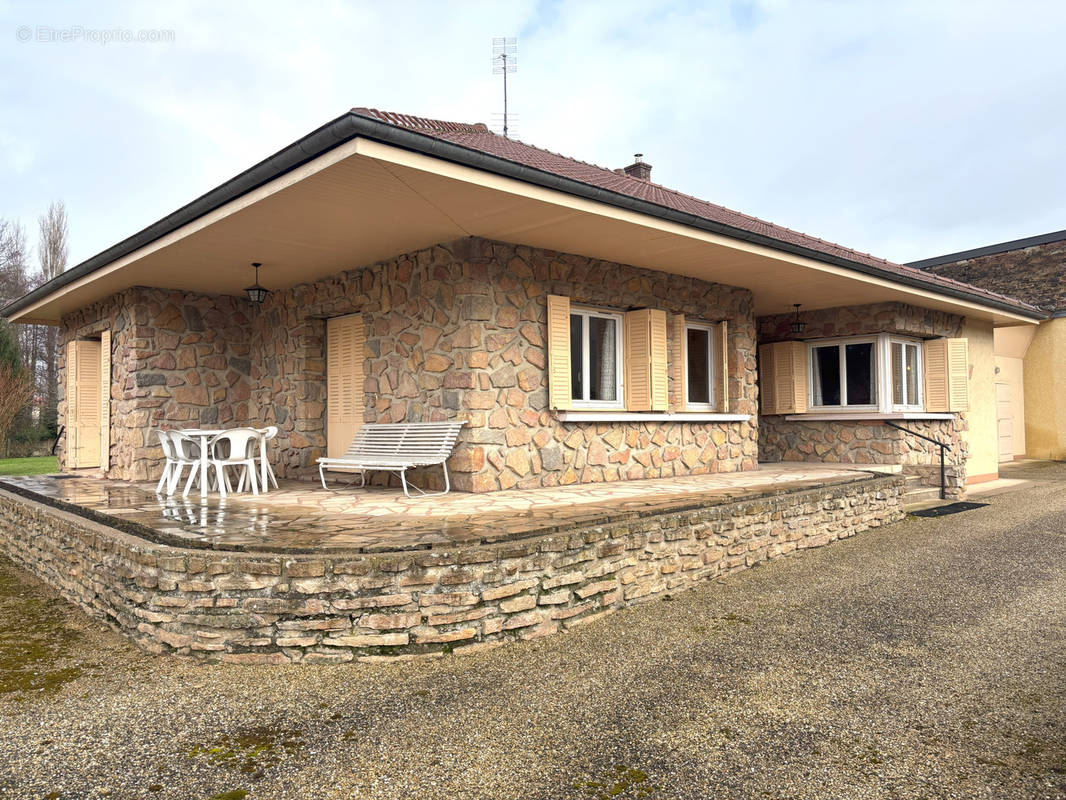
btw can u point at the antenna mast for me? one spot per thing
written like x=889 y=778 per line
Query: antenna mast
x=504 y=60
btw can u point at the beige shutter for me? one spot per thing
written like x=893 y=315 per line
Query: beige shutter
x=958 y=375
x=647 y=380
x=945 y=363
x=783 y=378
x=83 y=404
x=345 y=400
x=678 y=363
x=559 y=383
x=105 y=400
x=70 y=453
x=660 y=379
x=722 y=366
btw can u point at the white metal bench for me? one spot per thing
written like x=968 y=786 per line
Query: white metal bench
x=397 y=447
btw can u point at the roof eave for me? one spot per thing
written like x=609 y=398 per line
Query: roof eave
x=351 y=125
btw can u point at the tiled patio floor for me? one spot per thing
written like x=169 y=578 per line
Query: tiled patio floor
x=302 y=517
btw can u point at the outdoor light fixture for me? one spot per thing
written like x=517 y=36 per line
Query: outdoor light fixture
x=256 y=293
x=797 y=326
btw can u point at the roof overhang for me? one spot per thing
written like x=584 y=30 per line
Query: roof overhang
x=359 y=191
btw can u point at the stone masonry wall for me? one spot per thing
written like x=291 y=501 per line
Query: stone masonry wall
x=270 y=608
x=870 y=442
x=825 y=323
x=178 y=359
x=1034 y=274
x=459 y=331
x=867 y=441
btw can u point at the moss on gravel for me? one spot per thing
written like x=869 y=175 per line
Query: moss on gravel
x=36 y=644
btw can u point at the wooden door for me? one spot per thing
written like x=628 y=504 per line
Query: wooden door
x=345 y=403
x=84 y=406
x=1005 y=421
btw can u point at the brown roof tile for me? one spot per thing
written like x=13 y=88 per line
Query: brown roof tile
x=479 y=138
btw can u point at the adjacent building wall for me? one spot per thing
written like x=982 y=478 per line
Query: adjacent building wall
x=1045 y=388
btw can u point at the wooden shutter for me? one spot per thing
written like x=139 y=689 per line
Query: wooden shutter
x=646 y=377
x=559 y=384
x=945 y=363
x=721 y=364
x=783 y=377
x=678 y=362
x=71 y=450
x=83 y=404
x=105 y=400
x=345 y=400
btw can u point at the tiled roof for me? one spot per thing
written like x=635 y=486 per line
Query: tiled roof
x=478 y=137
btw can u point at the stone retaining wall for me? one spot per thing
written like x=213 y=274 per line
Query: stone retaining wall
x=870 y=442
x=270 y=608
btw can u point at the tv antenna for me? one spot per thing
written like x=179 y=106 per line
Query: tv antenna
x=504 y=60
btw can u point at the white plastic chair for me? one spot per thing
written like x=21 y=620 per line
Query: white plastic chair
x=243 y=444
x=186 y=452
x=170 y=461
x=266 y=472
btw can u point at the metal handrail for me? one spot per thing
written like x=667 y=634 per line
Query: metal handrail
x=943 y=447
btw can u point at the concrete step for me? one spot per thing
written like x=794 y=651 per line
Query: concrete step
x=925 y=494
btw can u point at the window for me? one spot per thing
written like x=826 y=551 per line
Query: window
x=844 y=374
x=906 y=360
x=882 y=373
x=699 y=367
x=596 y=358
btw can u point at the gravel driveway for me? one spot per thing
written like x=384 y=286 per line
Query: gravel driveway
x=923 y=660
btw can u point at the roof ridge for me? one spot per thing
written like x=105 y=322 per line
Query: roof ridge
x=425 y=123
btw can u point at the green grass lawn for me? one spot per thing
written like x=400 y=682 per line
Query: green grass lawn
x=27 y=466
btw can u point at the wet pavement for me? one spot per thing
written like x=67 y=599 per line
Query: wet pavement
x=303 y=517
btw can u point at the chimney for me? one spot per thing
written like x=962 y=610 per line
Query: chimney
x=638 y=169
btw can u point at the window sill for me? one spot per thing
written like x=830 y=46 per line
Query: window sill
x=816 y=416
x=649 y=416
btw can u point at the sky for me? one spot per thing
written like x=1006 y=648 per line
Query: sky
x=904 y=129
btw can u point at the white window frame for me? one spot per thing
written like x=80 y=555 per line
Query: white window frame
x=585 y=313
x=882 y=374
x=917 y=345
x=712 y=368
x=841 y=343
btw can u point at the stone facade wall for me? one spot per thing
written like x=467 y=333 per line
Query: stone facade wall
x=459 y=331
x=870 y=442
x=269 y=608
x=1034 y=274
x=178 y=359
x=867 y=441
x=825 y=323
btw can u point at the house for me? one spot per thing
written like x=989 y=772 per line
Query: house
x=1030 y=363
x=588 y=324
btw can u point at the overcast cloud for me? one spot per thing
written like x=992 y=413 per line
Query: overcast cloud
x=906 y=129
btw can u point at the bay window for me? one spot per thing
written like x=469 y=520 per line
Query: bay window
x=880 y=373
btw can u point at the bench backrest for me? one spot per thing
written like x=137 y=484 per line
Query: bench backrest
x=420 y=442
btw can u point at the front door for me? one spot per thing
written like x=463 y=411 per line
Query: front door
x=84 y=393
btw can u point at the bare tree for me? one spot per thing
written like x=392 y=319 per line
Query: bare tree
x=13 y=279
x=52 y=254
x=17 y=347
x=52 y=244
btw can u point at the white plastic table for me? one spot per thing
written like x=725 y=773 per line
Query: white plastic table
x=207 y=434
x=204 y=435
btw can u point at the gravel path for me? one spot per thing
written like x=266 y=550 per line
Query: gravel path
x=924 y=660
